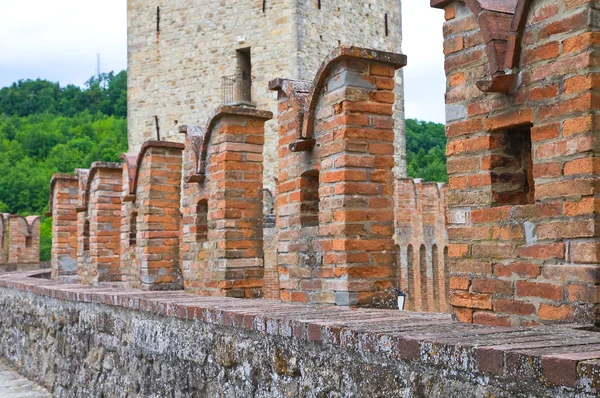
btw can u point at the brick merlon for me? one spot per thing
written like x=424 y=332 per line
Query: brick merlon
x=55 y=178
x=138 y=163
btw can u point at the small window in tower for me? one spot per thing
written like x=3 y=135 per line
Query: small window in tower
x=133 y=229
x=86 y=236
x=244 y=75
x=202 y=221
x=158 y=19
x=319 y=4
x=387 y=29
x=28 y=241
x=309 y=199
x=264 y=5
x=512 y=168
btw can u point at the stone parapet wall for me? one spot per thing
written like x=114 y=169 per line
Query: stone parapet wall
x=100 y=341
x=522 y=159
x=422 y=241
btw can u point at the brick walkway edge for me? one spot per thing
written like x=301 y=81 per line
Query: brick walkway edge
x=556 y=361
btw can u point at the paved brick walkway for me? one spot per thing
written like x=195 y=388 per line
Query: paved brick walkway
x=13 y=385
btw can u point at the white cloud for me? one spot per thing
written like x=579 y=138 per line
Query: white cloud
x=424 y=78
x=59 y=40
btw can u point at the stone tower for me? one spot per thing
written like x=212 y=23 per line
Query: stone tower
x=185 y=57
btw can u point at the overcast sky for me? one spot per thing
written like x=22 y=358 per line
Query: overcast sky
x=58 y=41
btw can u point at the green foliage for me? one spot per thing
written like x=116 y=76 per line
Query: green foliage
x=46 y=129
x=426 y=150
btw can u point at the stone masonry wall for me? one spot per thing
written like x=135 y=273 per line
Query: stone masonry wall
x=522 y=158
x=24 y=239
x=222 y=204
x=175 y=68
x=98 y=342
x=63 y=204
x=422 y=242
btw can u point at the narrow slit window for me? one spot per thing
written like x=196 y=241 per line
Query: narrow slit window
x=28 y=241
x=387 y=29
x=86 y=236
x=264 y=5
x=309 y=197
x=411 y=277
x=436 y=278
x=424 y=279
x=512 y=172
x=319 y=4
x=133 y=229
x=244 y=75
x=202 y=221
x=158 y=19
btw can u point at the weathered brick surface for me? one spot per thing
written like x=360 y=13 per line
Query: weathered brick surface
x=24 y=239
x=222 y=226
x=157 y=195
x=63 y=204
x=129 y=271
x=100 y=224
x=263 y=348
x=527 y=238
x=335 y=202
x=421 y=229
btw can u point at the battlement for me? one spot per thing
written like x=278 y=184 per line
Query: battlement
x=19 y=239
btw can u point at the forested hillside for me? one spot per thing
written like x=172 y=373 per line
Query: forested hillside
x=47 y=129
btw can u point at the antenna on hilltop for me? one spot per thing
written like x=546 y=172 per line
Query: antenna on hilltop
x=98 y=70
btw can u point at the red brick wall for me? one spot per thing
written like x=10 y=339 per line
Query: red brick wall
x=335 y=202
x=130 y=273
x=158 y=193
x=421 y=222
x=63 y=204
x=524 y=246
x=24 y=239
x=85 y=270
x=3 y=238
x=222 y=206
x=102 y=236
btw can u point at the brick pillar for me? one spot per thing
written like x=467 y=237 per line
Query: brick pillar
x=222 y=208
x=84 y=267
x=158 y=193
x=104 y=189
x=523 y=162
x=129 y=271
x=63 y=204
x=336 y=182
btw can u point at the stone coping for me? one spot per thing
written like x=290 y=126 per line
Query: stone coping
x=549 y=355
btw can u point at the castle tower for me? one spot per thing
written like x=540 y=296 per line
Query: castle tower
x=185 y=57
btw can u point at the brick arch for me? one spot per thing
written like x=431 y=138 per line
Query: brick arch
x=200 y=139
x=306 y=94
